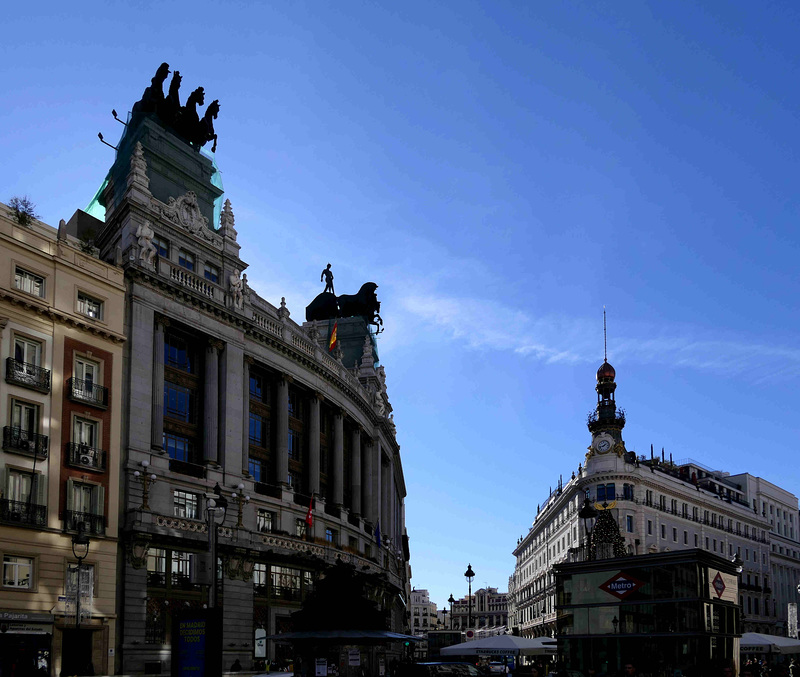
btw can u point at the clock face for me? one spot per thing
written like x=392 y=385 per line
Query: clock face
x=603 y=446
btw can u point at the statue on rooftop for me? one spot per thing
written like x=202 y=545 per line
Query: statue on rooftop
x=188 y=122
x=153 y=96
x=172 y=103
x=147 y=250
x=328 y=275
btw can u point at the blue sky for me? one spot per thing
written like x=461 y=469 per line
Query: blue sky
x=502 y=170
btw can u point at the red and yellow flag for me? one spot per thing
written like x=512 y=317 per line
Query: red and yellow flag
x=309 y=514
x=332 y=341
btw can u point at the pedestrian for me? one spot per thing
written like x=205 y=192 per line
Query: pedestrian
x=794 y=668
x=237 y=666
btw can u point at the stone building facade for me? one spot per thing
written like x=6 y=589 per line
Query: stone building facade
x=660 y=505
x=61 y=340
x=224 y=392
x=489 y=612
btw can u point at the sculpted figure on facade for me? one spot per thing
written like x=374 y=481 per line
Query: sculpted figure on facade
x=328 y=275
x=237 y=288
x=144 y=236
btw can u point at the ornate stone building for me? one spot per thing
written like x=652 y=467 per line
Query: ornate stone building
x=61 y=339
x=224 y=392
x=660 y=505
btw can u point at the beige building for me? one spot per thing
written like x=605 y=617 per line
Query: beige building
x=61 y=336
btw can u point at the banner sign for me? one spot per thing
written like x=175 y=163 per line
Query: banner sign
x=321 y=667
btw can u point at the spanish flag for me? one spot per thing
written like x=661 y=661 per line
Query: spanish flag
x=310 y=514
x=332 y=341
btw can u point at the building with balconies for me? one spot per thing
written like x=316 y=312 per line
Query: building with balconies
x=226 y=397
x=659 y=505
x=61 y=337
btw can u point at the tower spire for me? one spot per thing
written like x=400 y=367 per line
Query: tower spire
x=605 y=337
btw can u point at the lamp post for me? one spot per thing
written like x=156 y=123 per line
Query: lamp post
x=146 y=481
x=615 y=623
x=241 y=499
x=213 y=505
x=469 y=574
x=444 y=623
x=588 y=514
x=80 y=549
x=738 y=564
x=452 y=600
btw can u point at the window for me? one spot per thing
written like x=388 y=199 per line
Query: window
x=264 y=521
x=663 y=531
x=17 y=572
x=211 y=273
x=257 y=387
x=605 y=492
x=258 y=430
x=649 y=527
x=184 y=504
x=186 y=260
x=331 y=536
x=176 y=353
x=89 y=306
x=300 y=527
x=178 y=402
x=27 y=352
x=352 y=542
x=294 y=444
x=686 y=538
x=162 y=246
x=257 y=468
x=178 y=447
x=696 y=541
x=85 y=432
x=674 y=535
x=25 y=417
x=28 y=282
x=85 y=506
x=629 y=523
x=627 y=492
x=156 y=566
x=19 y=485
x=87 y=373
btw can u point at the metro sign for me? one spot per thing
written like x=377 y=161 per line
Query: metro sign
x=621 y=585
x=719 y=584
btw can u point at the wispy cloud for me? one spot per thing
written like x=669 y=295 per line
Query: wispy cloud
x=485 y=325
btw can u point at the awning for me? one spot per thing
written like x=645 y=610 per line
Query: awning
x=503 y=645
x=756 y=642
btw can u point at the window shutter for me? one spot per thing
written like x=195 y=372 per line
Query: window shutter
x=70 y=492
x=41 y=488
x=100 y=502
x=3 y=487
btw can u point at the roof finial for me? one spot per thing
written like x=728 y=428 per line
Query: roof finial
x=605 y=337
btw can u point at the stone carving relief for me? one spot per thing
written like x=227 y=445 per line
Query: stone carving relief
x=185 y=212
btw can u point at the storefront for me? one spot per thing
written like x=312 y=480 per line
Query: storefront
x=25 y=643
x=664 y=611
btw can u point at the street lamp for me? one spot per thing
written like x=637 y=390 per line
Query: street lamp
x=241 y=499
x=146 y=480
x=213 y=505
x=452 y=600
x=588 y=514
x=615 y=623
x=469 y=574
x=444 y=613
x=80 y=549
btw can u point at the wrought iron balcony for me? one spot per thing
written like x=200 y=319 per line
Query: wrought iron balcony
x=28 y=375
x=186 y=468
x=87 y=391
x=93 y=524
x=24 y=442
x=22 y=512
x=84 y=456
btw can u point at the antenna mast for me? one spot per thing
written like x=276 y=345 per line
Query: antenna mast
x=605 y=337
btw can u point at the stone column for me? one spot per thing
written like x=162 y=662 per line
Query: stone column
x=313 y=444
x=211 y=402
x=246 y=415
x=157 y=426
x=368 y=480
x=282 y=437
x=377 y=482
x=390 y=502
x=338 y=458
x=355 y=472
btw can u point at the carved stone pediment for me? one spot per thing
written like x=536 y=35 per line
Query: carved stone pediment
x=185 y=212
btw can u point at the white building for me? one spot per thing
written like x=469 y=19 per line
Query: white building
x=424 y=616
x=660 y=505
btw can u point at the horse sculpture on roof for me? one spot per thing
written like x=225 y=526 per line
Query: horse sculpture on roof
x=327 y=306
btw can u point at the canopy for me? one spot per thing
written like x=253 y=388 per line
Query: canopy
x=755 y=642
x=503 y=645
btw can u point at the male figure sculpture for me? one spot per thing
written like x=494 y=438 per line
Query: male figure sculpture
x=237 y=288
x=328 y=275
x=147 y=250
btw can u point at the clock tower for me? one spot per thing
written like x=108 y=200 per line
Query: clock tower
x=606 y=421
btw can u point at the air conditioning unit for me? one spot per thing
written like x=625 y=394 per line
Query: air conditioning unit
x=86 y=459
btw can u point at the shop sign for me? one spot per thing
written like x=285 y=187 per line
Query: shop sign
x=354 y=657
x=24 y=629
x=25 y=617
x=621 y=585
x=321 y=667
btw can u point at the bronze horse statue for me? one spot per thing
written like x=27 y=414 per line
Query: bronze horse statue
x=364 y=304
x=206 y=127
